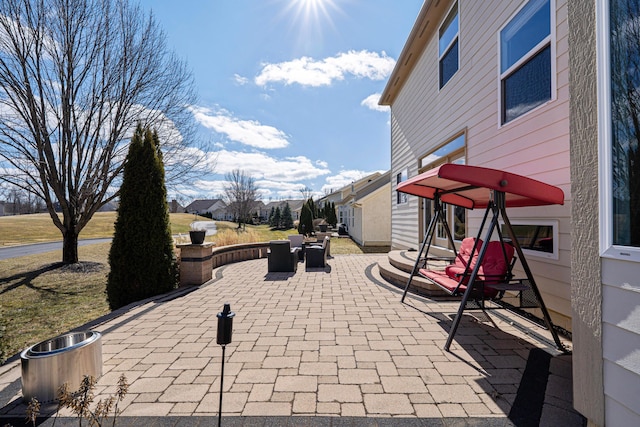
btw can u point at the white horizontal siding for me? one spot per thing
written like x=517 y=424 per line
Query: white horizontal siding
x=621 y=341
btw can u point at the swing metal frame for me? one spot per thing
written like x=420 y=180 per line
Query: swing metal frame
x=495 y=190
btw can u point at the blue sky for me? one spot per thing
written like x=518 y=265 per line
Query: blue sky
x=288 y=89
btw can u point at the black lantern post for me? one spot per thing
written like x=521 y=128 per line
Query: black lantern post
x=225 y=328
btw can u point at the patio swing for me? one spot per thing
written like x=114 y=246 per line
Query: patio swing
x=482 y=270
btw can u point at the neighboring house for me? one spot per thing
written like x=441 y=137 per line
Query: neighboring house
x=176 y=207
x=371 y=206
x=364 y=207
x=342 y=197
x=216 y=207
x=604 y=48
x=333 y=197
x=487 y=84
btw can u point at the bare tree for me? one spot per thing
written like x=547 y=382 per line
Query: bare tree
x=241 y=194
x=76 y=76
x=306 y=192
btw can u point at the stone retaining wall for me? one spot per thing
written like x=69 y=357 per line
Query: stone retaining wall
x=241 y=252
x=198 y=261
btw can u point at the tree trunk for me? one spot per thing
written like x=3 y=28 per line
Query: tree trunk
x=70 y=247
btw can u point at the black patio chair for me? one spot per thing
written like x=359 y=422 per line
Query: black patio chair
x=316 y=256
x=282 y=257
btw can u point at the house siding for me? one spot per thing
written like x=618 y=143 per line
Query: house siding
x=535 y=144
x=621 y=342
x=373 y=227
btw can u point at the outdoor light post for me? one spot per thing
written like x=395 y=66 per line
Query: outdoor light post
x=225 y=328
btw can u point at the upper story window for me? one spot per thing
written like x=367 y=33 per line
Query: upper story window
x=525 y=60
x=448 y=46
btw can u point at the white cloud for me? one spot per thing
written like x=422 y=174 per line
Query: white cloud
x=267 y=189
x=249 y=132
x=279 y=189
x=264 y=167
x=310 y=72
x=241 y=80
x=213 y=187
x=371 y=102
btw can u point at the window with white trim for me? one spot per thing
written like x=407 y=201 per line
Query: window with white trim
x=448 y=46
x=526 y=60
x=536 y=237
x=619 y=87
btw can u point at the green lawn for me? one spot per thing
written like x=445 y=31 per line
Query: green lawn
x=41 y=298
x=36 y=228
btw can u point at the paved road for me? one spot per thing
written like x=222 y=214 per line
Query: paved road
x=36 y=248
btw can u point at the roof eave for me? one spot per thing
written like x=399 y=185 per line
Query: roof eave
x=418 y=37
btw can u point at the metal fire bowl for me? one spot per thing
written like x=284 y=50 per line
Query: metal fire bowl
x=64 y=359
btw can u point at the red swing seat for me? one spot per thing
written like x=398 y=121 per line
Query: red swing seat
x=494 y=269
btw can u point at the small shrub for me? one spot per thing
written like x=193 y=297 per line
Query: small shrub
x=33 y=410
x=79 y=402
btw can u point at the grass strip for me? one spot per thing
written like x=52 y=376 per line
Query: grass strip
x=42 y=298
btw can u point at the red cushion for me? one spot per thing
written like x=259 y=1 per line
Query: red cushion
x=494 y=265
x=441 y=279
x=459 y=266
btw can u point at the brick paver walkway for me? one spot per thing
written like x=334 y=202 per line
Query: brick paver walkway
x=317 y=343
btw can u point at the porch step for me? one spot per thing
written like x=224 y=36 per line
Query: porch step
x=403 y=260
x=394 y=270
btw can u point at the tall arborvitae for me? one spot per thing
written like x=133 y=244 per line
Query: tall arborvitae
x=273 y=211
x=141 y=257
x=331 y=214
x=277 y=218
x=305 y=226
x=286 y=219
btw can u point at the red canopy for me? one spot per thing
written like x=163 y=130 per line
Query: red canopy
x=467 y=186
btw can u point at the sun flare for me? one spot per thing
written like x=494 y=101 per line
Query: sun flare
x=311 y=16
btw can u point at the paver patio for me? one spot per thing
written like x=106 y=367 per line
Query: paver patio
x=332 y=342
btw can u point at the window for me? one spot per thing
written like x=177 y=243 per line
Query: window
x=526 y=60
x=536 y=237
x=401 y=197
x=453 y=151
x=448 y=46
x=619 y=84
